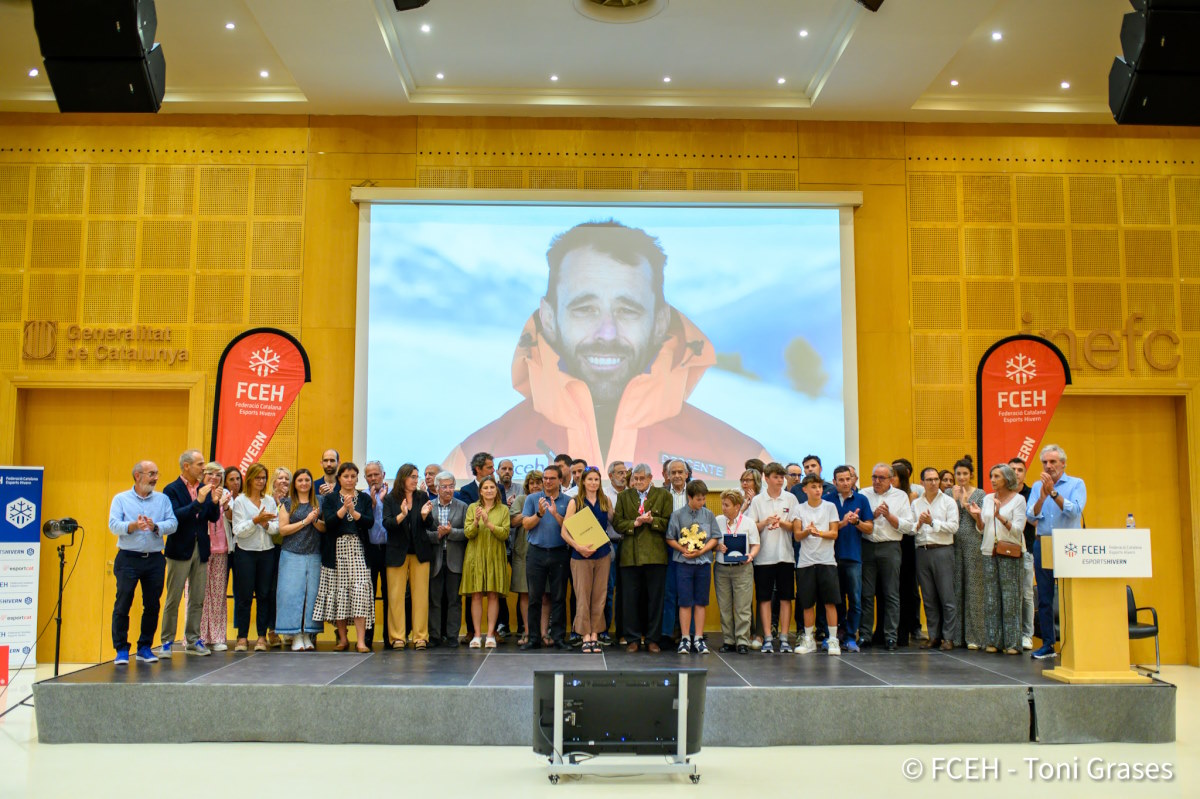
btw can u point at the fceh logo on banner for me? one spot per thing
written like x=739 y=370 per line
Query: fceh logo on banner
x=1102 y=553
x=259 y=376
x=1019 y=382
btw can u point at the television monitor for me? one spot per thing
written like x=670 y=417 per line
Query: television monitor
x=618 y=712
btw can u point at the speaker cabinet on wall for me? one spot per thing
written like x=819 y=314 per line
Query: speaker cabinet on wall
x=1156 y=80
x=100 y=55
x=409 y=5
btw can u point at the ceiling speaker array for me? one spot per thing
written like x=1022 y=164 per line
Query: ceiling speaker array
x=100 y=55
x=1157 y=79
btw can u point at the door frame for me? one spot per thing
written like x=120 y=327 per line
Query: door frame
x=11 y=383
x=1189 y=452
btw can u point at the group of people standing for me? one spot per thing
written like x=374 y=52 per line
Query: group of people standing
x=304 y=552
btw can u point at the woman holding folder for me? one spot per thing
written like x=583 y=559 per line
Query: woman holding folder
x=589 y=565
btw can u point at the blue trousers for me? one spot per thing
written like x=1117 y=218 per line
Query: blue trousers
x=850 y=580
x=1045 y=594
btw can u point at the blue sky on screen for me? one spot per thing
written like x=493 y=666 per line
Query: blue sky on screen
x=452 y=285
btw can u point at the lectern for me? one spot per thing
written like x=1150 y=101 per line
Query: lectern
x=1092 y=568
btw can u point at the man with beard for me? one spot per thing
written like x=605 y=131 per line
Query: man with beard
x=606 y=365
x=330 y=460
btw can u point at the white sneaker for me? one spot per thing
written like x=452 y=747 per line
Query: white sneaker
x=806 y=645
x=219 y=647
x=834 y=648
x=1027 y=643
x=298 y=642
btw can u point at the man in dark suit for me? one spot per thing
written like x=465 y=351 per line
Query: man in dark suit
x=445 y=524
x=641 y=517
x=195 y=506
x=482 y=466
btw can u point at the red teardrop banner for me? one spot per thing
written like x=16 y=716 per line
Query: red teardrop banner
x=1019 y=382
x=259 y=376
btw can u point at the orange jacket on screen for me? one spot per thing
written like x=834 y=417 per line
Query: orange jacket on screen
x=654 y=421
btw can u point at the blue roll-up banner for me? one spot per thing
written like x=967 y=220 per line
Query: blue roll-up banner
x=20 y=550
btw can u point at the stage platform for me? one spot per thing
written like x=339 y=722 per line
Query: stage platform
x=480 y=697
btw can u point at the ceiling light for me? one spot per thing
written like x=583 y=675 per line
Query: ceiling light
x=33 y=73
x=953 y=83
x=803 y=33
x=229 y=26
x=997 y=36
x=440 y=76
x=425 y=28
x=553 y=77
x=667 y=79
x=264 y=74
x=781 y=81
x=1065 y=85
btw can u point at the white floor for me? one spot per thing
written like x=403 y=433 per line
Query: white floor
x=30 y=769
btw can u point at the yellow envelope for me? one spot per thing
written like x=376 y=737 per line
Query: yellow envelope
x=585 y=530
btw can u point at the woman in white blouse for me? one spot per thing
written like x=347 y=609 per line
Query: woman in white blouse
x=255 y=520
x=1001 y=519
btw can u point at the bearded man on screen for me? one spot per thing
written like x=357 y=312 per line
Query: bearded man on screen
x=606 y=366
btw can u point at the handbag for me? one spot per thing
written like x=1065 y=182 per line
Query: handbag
x=1004 y=549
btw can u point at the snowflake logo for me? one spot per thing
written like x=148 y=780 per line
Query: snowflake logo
x=1020 y=369
x=1072 y=550
x=20 y=513
x=264 y=362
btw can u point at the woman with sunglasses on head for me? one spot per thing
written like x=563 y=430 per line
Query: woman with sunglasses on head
x=255 y=520
x=589 y=567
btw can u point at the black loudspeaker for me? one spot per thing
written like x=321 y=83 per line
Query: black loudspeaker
x=1157 y=80
x=409 y=5
x=870 y=5
x=100 y=55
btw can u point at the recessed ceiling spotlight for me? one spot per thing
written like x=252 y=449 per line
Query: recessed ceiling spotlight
x=439 y=76
x=997 y=36
x=1065 y=85
x=953 y=83
x=33 y=73
x=553 y=77
x=667 y=79
x=264 y=74
x=229 y=26
x=425 y=28
x=803 y=33
x=781 y=81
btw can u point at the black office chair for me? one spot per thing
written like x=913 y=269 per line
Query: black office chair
x=1138 y=631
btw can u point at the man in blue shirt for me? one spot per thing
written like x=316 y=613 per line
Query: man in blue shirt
x=547 y=560
x=1056 y=502
x=139 y=518
x=854 y=519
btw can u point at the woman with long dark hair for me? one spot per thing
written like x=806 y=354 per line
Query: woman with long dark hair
x=590 y=567
x=968 y=560
x=299 y=564
x=408 y=554
x=345 y=591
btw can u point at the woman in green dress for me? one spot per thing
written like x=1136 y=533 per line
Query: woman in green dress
x=485 y=565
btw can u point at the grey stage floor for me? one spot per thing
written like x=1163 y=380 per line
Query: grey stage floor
x=485 y=697
x=506 y=666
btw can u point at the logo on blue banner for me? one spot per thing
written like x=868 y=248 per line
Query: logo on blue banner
x=20 y=527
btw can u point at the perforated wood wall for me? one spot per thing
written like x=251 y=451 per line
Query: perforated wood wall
x=995 y=254
x=125 y=239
